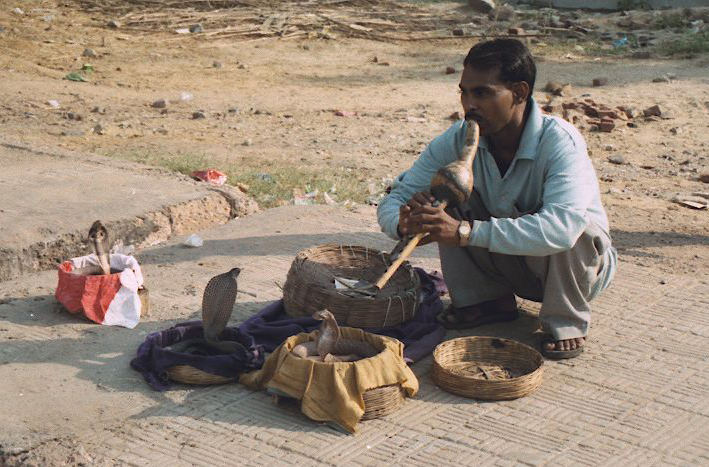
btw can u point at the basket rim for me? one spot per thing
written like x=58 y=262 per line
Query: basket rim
x=505 y=382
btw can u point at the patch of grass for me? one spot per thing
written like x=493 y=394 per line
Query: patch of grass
x=275 y=186
x=671 y=20
x=270 y=185
x=688 y=44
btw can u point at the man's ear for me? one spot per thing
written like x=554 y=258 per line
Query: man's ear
x=520 y=92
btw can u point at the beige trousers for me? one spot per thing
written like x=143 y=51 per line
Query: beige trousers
x=564 y=282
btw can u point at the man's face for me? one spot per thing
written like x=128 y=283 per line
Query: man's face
x=490 y=102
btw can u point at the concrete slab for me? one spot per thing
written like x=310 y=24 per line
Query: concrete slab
x=50 y=198
x=638 y=395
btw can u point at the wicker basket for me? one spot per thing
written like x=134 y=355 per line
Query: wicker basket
x=487 y=368
x=382 y=401
x=190 y=375
x=310 y=286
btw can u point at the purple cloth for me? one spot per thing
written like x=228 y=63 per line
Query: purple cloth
x=153 y=358
x=271 y=326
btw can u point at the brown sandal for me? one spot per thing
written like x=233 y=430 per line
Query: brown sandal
x=483 y=317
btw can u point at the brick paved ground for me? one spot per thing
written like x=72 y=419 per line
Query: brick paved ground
x=638 y=395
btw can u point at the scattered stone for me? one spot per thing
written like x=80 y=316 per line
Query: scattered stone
x=74 y=116
x=653 y=111
x=375 y=59
x=704 y=178
x=502 y=13
x=450 y=70
x=159 y=104
x=458 y=32
x=675 y=130
x=661 y=79
x=98 y=110
x=663 y=281
x=609 y=147
x=455 y=116
x=600 y=81
x=18 y=11
x=216 y=64
x=241 y=66
x=113 y=24
x=53 y=103
x=196 y=28
x=247 y=142
x=606 y=125
x=515 y=31
x=89 y=53
x=483 y=6
x=243 y=187
x=198 y=115
x=99 y=129
x=616 y=159
x=558 y=89
x=73 y=133
x=233 y=110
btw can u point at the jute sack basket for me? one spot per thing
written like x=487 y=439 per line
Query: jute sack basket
x=487 y=368
x=310 y=286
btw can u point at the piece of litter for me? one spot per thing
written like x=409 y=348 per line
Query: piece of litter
x=345 y=113
x=692 y=204
x=212 y=176
x=328 y=199
x=185 y=96
x=53 y=103
x=194 y=241
x=182 y=30
x=344 y=283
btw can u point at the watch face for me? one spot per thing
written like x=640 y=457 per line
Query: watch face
x=464 y=228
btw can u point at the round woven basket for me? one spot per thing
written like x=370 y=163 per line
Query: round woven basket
x=382 y=401
x=310 y=286
x=487 y=368
x=190 y=375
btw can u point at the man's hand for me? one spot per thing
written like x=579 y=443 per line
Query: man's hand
x=419 y=215
x=406 y=227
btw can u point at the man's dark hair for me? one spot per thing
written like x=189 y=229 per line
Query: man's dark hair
x=512 y=57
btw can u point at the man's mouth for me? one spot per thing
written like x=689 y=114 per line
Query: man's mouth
x=469 y=115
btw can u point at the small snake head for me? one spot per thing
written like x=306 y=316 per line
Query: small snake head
x=235 y=272
x=323 y=315
x=98 y=234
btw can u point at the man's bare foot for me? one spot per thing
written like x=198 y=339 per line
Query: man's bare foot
x=566 y=344
x=565 y=348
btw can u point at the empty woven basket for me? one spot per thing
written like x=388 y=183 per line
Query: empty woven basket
x=487 y=368
x=310 y=286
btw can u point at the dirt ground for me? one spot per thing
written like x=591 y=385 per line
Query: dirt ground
x=270 y=112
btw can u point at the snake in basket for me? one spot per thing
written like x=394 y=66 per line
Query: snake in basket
x=329 y=346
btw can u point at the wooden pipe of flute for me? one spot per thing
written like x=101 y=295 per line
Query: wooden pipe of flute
x=452 y=185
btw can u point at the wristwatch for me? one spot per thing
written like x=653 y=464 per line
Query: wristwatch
x=464 y=231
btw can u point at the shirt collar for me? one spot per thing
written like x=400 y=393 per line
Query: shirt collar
x=530 y=135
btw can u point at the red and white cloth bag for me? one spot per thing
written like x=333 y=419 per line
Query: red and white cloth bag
x=105 y=299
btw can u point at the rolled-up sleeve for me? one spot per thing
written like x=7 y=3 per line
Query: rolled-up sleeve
x=441 y=151
x=568 y=189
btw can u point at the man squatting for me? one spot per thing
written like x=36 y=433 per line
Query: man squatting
x=534 y=226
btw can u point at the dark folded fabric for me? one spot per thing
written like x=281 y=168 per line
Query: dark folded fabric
x=153 y=358
x=271 y=326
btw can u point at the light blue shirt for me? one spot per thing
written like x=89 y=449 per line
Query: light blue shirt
x=541 y=206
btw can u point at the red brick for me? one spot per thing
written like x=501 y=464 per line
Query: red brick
x=606 y=125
